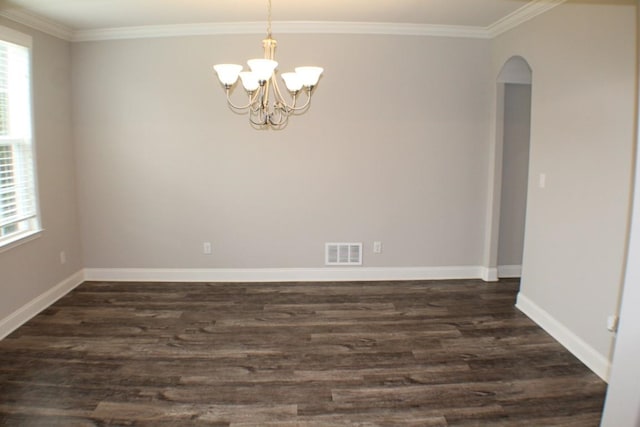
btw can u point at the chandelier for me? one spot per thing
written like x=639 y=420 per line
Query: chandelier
x=267 y=107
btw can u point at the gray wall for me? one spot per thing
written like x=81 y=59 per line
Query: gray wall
x=622 y=406
x=396 y=154
x=34 y=267
x=582 y=134
x=515 y=173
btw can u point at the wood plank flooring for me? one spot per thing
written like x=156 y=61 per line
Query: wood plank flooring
x=448 y=353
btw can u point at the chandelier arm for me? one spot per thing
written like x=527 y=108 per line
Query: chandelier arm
x=306 y=104
x=262 y=122
x=282 y=119
x=292 y=107
x=252 y=99
x=279 y=96
x=255 y=104
x=262 y=114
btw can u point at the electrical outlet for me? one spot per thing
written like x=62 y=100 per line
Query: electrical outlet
x=63 y=257
x=377 y=247
x=206 y=248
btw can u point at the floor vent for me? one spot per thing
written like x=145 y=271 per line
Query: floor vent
x=343 y=254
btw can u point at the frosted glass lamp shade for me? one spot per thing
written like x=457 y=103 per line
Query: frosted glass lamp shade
x=309 y=75
x=262 y=68
x=228 y=73
x=249 y=81
x=293 y=81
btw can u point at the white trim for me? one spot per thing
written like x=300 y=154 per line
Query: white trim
x=489 y=274
x=21 y=239
x=16 y=37
x=281 y=27
x=39 y=23
x=576 y=345
x=523 y=14
x=281 y=274
x=516 y=71
x=177 y=30
x=509 y=271
x=41 y=302
x=520 y=16
x=380 y=28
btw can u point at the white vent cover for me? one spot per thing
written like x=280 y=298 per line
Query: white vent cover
x=343 y=253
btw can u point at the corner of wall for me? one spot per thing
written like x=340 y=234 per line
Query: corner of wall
x=595 y=361
x=38 y=304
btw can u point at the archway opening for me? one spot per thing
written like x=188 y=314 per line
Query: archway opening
x=511 y=164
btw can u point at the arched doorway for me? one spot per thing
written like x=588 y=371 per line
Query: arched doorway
x=508 y=199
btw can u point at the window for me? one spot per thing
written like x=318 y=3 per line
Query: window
x=18 y=201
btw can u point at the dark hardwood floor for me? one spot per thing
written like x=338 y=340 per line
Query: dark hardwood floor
x=450 y=353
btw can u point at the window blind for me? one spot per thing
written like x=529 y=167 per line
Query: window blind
x=18 y=203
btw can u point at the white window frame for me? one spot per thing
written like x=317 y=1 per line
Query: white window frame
x=30 y=227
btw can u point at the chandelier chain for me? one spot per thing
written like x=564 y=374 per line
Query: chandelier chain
x=269 y=20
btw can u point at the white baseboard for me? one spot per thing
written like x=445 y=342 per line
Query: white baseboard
x=509 y=271
x=489 y=274
x=38 y=304
x=41 y=302
x=282 y=274
x=595 y=361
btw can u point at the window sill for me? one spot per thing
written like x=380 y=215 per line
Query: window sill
x=20 y=239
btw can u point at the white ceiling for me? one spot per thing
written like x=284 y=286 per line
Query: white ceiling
x=83 y=15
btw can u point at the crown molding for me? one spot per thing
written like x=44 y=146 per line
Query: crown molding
x=400 y=29
x=523 y=14
x=280 y=27
x=178 y=30
x=39 y=23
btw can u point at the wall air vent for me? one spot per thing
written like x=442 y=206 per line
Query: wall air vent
x=343 y=253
